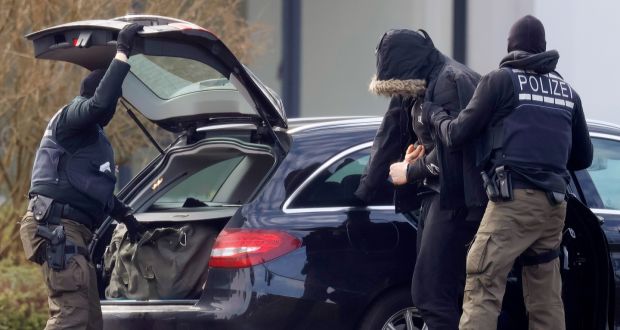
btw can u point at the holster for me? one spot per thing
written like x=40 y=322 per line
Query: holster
x=55 y=245
x=499 y=188
x=49 y=228
x=490 y=187
x=504 y=183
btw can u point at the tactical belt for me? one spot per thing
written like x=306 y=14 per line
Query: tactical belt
x=65 y=211
x=71 y=250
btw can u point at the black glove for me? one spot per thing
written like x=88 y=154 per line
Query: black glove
x=123 y=213
x=124 y=42
x=134 y=228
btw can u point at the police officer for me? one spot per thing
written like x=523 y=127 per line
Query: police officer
x=531 y=128
x=71 y=192
x=413 y=72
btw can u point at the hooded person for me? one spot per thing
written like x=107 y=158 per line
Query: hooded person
x=531 y=129
x=429 y=177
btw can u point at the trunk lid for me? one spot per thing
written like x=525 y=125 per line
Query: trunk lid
x=182 y=76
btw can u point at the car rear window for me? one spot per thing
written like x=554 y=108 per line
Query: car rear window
x=170 y=77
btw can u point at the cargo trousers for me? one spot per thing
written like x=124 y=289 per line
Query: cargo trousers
x=530 y=224
x=73 y=297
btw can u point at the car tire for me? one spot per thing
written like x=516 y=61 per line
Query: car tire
x=393 y=309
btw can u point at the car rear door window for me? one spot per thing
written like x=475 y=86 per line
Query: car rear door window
x=605 y=175
x=335 y=186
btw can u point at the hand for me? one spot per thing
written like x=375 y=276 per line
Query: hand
x=124 y=213
x=134 y=228
x=413 y=153
x=124 y=42
x=398 y=173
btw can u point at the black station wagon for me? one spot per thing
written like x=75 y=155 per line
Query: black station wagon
x=293 y=248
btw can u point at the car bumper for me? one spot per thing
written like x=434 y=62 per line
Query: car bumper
x=249 y=298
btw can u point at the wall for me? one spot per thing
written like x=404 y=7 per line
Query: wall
x=585 y=35
x=338 y=44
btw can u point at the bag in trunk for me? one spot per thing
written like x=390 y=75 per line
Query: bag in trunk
x=167 y=263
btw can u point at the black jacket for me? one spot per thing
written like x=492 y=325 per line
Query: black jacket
x=78 y=124
x=410 y=69
x=495 y=98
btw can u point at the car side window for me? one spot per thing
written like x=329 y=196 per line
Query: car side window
x=335 y=186
x=605 y=175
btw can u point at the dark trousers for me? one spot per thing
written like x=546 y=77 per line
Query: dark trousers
x=439 y=276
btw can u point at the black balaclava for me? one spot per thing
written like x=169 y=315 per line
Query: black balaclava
x=527 y=34
x=90 y=83
x=405 y=59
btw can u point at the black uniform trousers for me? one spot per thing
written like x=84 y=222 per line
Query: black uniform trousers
x=438 y=282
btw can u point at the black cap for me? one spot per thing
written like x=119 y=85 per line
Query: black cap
x=527 y=34
x=90 y=83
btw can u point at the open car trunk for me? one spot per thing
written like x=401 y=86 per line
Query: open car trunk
x=184 y=200
x=586 y=282
x=184 y=79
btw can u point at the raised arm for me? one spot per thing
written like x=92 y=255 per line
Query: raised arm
x=84 y=113
x=98 y=109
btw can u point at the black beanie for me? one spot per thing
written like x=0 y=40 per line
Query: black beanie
x=527 y=34
x=90 y=83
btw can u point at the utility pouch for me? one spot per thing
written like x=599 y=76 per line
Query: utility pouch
x=41 y=207
x=55 y=245
x=555 y=198
x=504 y=184
x=490 y=187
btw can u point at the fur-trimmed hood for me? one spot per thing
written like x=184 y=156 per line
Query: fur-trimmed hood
x=396 y=87
x=405 y=59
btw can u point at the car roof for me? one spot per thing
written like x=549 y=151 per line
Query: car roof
x=603 y=127
x=297 y=126
x=319 y=125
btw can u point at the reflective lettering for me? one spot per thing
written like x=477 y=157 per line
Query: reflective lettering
x=550 y=80
x=522 y=80
x=564 y=88
x=542 y=86
x=535 y=81
x=555 y=88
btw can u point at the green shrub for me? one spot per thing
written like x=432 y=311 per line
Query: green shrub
x=23 y=297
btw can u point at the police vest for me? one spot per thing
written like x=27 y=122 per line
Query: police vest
x=537 y=133
x=90 y=169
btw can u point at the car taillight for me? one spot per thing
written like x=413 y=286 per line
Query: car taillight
x=238 y=248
